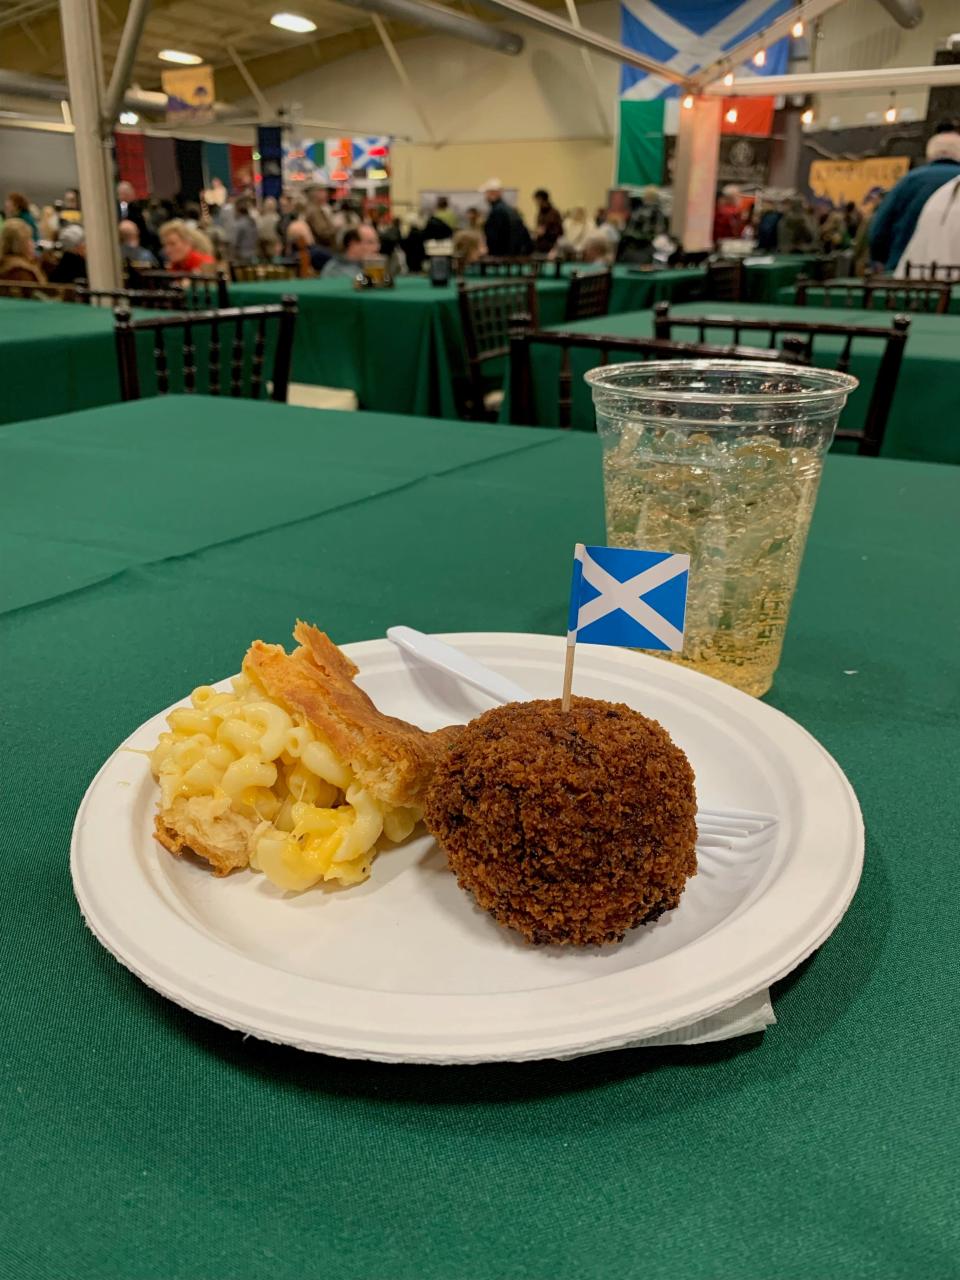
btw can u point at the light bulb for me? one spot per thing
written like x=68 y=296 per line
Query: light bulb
x=293 y=22
x=731 y=116
x=129 y=118
x=806 y=117
x=890 y=115
x=728 y=79
x=797 y=30
x=760 y=58
x=178 y=56
x=688 y=101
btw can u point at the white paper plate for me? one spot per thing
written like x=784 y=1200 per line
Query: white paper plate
x=406 y=968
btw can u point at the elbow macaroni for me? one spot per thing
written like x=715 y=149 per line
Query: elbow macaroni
x=314 y=820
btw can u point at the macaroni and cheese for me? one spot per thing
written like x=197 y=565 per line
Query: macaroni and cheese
x=241 y=774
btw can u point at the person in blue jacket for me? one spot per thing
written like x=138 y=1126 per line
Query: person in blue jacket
x=895 y=221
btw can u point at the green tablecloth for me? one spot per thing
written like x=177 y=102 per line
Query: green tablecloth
x=634 y=289
x=54 y=357
x=146 y=546
x=815 y=295
x=763 y=279
x=926 y=410
x=396 y=348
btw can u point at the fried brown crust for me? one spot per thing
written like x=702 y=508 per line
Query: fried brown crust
x=394 y=760
x=179 y=835
x=569 y=827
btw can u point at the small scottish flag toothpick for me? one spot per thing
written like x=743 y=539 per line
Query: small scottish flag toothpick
x=633 y=598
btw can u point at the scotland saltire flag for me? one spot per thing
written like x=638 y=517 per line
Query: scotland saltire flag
x=689 y=34
x=633 y=598
x=370 y=152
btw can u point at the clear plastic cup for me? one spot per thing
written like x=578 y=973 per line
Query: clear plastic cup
x=722 y=460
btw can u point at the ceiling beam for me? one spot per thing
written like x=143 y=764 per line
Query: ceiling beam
x=807 y=11
x=882 y=79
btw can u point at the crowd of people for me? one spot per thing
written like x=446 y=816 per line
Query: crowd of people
x=322 y=231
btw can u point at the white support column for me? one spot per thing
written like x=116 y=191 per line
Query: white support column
x=81 y=46
x=695 y=174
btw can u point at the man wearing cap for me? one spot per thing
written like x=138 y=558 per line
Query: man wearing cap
x=504 y=229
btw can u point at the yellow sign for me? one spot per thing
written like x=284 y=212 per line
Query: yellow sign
x=189 y=93
x=840 y=181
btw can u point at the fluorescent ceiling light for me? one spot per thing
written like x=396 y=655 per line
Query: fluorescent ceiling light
x=175 y=55
x=293 y=22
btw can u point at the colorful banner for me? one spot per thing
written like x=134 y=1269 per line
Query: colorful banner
x=241 y=167
x=640 y=144
x=754 y=116
x=189 y=93
x=692 y=34
x=840 y=181
x=131 y=156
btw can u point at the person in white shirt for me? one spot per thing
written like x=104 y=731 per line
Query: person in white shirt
x=936 y=237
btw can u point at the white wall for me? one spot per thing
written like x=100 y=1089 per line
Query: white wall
x=860 y=34
x=529 y=120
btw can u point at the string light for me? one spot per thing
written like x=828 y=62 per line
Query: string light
x=760 y=58
x=797 y=30
x=806 y=117
x=728 y=79
x=731 y=116
x=688 y=102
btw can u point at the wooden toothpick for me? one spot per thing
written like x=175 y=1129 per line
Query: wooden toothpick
x=568 y=676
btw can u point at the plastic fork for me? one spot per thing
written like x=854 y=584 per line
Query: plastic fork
x=737 y=829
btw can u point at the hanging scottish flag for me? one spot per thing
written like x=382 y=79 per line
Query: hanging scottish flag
x=633 y=598
x=689 y=34
x=370 y=153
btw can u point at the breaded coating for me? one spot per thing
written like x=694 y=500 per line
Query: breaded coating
x=570 y=827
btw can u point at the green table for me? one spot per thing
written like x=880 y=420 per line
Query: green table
x=54 y=357
x=765 y=276
x=142 y=1143
x=815 y=295
x=926 y=410
x=635 y=288
x=396 y=348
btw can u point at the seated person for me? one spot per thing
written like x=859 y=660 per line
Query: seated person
x=180 y=251
x=17 y=254
x=468 y=246
x=134 y=255
x=301 y=240
x=599 y=249
x=72 y=265
x=357 y=244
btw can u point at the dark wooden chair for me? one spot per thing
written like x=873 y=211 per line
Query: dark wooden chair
x=802 y=336
x=947 y=271
x=154 y=299
x=891 y=295
x=907 y=295
x=202 y=292
x=229 y=326
x=525 y=266
x=32 y=290
x=588 y=295
x=490 y=313
x=245 y=272
x=724 y=282
x=523 y=410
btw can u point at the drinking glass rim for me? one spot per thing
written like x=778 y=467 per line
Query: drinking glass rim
x=832 y=383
